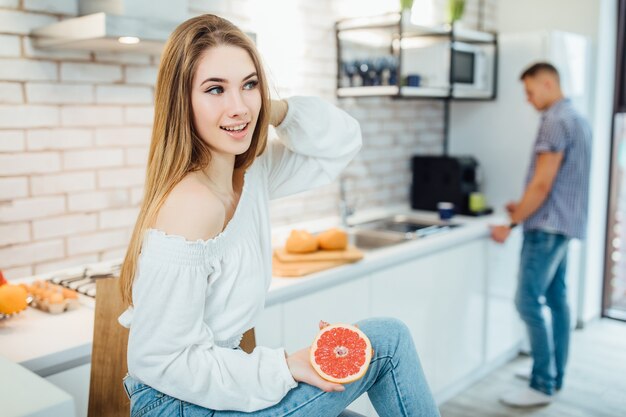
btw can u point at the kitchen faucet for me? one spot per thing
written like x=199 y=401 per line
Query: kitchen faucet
x=345 y=210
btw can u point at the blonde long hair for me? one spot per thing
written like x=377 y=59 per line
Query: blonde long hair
x=175 y=148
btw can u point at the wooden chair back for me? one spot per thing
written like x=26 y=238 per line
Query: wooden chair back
x=108 y=355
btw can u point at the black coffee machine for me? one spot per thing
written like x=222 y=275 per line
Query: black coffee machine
x=443 y=178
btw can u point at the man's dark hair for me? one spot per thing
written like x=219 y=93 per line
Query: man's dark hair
x=538 y=68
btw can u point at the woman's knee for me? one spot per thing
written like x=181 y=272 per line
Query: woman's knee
x=385 y=330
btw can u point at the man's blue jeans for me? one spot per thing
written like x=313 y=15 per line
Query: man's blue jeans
x=542 y=277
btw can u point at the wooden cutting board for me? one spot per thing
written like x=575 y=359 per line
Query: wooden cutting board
x=298 y=269
x=350 y=254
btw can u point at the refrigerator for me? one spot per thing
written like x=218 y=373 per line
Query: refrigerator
x=501 y=133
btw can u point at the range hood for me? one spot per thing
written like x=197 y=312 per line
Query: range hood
x=115 y=25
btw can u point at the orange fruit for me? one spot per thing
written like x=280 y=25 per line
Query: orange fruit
x=12 y=299
x=341 y=353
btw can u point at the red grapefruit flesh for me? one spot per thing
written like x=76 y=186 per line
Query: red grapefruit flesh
x=341 y=353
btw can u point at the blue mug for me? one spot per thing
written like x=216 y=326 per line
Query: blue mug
x=446 y=210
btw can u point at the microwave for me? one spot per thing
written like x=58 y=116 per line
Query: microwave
x=472 y=69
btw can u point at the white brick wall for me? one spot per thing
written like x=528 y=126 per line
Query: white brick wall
x=27 y=163
x=31 y=208
x=11 y=140
x=123 y=136
x=97 y=200
x=17 y=255
x=64 y=226
x=11 y=92
x=68 y=262
x=59 y=93
x=136 y=156
x=13 y=21
x=18 y=272
x=13 y=187
x=14 y=233
x=91 y=116
x=9 y=3
x=24 y=116
x=120 y=178
x=47 y=139
x=96 y=242
x=96 y=158
x=75 y=127
x=139 y=115
x=9 y=46
x=141 y=75
x=62 y=183
x=117 y=94
x=91 y=72
x=53 y=6
x=21 y=70
x=112 y=219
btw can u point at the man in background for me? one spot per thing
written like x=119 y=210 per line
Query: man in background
x=553 y=210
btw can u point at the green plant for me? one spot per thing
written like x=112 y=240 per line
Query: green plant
x=406 y=4
x=455 y=10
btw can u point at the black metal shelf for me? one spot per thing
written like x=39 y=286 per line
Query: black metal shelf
x=400 y=29
x=401 y=32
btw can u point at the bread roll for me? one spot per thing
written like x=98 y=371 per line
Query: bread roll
x=301 y=241
x=333 y=239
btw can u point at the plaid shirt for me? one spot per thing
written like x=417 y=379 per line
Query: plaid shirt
x=563 y=129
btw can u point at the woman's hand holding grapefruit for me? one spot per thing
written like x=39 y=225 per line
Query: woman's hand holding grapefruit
x=302 y=371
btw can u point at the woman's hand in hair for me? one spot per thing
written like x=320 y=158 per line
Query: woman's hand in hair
x=302 y=371
x=278 y=112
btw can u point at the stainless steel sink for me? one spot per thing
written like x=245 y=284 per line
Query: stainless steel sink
x=396 y=229
x=373 y=239
x=412 y=227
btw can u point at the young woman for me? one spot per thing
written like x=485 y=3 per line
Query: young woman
x=199 y=262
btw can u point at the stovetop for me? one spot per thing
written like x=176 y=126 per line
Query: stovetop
x=84 y=280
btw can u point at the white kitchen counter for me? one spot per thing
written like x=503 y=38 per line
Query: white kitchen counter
x=25 y=394
x=284 y=289
x=47 y=344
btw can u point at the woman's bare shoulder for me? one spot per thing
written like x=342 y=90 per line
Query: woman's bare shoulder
x=192 y=211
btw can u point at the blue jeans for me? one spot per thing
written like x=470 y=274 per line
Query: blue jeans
x=394 y=382
x=542 y=276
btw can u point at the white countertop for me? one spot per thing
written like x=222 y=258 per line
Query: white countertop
x=25 y=394
x=46 y=343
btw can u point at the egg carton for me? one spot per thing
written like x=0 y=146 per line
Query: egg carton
x=52 y=298
x=66 y=304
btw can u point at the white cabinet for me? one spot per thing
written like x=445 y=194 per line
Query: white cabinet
x=441 y=299
x=458 y=304
x=504 y=328
x=345 y=303
x=269 y=328
x=459 y=313
x=406 y=292
x=75 y=381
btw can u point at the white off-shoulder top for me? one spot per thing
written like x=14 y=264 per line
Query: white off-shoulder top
x=193 y=300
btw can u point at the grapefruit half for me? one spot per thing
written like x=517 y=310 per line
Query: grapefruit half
x=341 y=353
